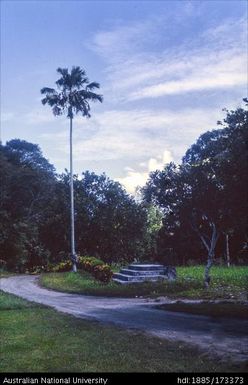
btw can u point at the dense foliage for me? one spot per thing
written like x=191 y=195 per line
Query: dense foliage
x=35 y=209
x=204 y=199
x=192 y=212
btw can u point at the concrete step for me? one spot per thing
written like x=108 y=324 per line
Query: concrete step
x=120 y=281
x=137 y=273
x=134 y=281
x=138 y=278
x=145 y=267
x=128 y=271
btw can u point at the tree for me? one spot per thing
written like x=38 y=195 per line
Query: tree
x=202 y=209
x=29 y=155
x=73 y=96
x=222 y=155
x=207 y=194
x=153 y=225
x=27 y=183
x=35 y=213
x=113 y=222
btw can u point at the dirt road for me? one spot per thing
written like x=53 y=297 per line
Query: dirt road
x=227 y=338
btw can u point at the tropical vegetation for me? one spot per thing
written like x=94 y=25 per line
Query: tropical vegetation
x=188 y=213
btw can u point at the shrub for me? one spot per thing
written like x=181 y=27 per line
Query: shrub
x=102 y=273
x=62 y=267
x=88 y=263
x=49 y=267
x=85 y=263
x=35 y=270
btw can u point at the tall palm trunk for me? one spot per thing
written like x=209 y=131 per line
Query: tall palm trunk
x=73 y=252
x=73 y=96
x=227 y=250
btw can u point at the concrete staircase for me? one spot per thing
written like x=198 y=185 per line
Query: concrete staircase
x=136 y=273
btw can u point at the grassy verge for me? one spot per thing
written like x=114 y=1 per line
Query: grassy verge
x=36 y=338
x=227 y=283
x=209 y=309
x=5 y=274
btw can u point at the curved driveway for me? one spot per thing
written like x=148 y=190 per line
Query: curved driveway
x=225 y=337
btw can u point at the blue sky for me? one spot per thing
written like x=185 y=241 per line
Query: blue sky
x=166 y=69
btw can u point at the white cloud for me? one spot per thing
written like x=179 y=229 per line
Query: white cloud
x=134 y=134
x=133 y=178
x=38 y=116
x=158 y=163
x=35 y=117
x=222 y=32
x=113 y=44
x=206 y=73
x=212 y=61
x=215 y=59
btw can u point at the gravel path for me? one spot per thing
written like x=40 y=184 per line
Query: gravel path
x=227 y=338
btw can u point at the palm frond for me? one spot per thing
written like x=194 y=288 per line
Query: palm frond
x=85 y=109
x=91 y=86
x=53 y=100
x=57 y=110
x=62 y=71
x=47 y=90
x=91 y=96
x=65 y=81
x=82 y=106
x=75 y=93
x=77 y=71
x=78 y=77
x=44 y=101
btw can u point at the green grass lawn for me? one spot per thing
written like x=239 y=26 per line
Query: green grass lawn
x=4 y=274
x=36 y=338
x=227 y=283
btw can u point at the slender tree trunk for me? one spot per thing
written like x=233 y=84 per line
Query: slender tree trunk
x=210 y=244
x=73 y=252
x=207 y=277
x=211 y=252
x=227 y=251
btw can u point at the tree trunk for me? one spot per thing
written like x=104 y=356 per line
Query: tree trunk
x=227 y=251
x=210 y=244
x=207 y=277
x=211 y=251
x=73 y=252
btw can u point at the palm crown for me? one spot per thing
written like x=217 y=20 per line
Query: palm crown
x=73 y=95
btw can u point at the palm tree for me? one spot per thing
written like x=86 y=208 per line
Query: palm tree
x=74 y=94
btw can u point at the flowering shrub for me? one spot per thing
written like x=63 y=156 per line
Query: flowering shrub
x=88 y=263
x=62 y=267
x=35 y=270
x=102 y=273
